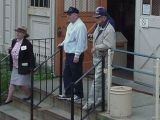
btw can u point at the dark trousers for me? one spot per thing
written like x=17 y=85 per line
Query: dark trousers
x=72 y=72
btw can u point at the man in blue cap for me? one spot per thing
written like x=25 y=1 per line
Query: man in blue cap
x=75 y=43
x=103 y=38
x=103 y=12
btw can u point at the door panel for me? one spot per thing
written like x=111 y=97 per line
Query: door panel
x=87 y=8
x=147 y=42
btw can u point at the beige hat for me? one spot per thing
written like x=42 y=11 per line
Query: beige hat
x=22 y=29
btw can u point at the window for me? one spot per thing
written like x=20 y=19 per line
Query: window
x=40 y=3
x=82 y=5
x=151 y=7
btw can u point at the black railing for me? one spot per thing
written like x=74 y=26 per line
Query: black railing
x=4 y=77
x=44 y=65
x=88 y=112
x=43 y=73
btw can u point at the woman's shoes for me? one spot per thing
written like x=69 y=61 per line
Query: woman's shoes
x=8 y=102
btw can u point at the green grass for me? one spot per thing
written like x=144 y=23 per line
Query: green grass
x=43 y=76
x=2 y=56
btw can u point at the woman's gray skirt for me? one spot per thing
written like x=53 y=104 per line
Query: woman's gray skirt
x=18 y=79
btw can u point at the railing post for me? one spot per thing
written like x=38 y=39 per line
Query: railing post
x=60 y=70
x=157 y=90
x=109 y=79
x=0 y=84
x=72 y=101
x=103 y=84
x=32 y=81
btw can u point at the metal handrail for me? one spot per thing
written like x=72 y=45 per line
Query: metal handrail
x=133 y=70
x=80 y=79
x=4 y=58
x=133 y=53
x=44 y=58
x=35 y=69
x=40 y=39
x=156 y=75
x=32 y=83
x=110 y=77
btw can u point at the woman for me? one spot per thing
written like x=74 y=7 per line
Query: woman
x=21 y=63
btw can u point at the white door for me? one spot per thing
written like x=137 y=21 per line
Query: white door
x=14 y=15
x=147 y=38
x=7 y=24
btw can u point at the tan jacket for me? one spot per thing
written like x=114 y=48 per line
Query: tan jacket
x=106 y=40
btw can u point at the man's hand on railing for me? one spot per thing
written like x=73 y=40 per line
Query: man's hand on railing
x=60 y=45
x=90 y=35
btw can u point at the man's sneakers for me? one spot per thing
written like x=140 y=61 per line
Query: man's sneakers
x=63 y=97
x=76 y=98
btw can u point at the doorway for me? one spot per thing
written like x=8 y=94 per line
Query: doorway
x=87 y=9
x=123 y=12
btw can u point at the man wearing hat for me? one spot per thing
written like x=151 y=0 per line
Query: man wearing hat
x=75 y=43
x=21 y=63
x=103 y=38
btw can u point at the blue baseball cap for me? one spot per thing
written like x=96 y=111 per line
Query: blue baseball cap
x=100 y=11
x=72 y=10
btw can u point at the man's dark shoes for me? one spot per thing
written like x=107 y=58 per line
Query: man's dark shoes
x=8 y=102
x=27 y=98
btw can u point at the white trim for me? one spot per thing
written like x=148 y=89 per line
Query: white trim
x=2 y=22
x=13 y=18
x=138 y=12
x=24 y=10
x=39 y=11
x=52 y=18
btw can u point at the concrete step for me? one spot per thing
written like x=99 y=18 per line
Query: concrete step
x=53 y=105
x=45 y=111
x=9 y=112
x=20 y=110
x=54 y=113
x=52 y=101
x=66 y=106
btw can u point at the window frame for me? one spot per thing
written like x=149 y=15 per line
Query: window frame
x=40 y=3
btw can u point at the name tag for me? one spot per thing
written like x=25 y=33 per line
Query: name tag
x=24 y=64
x=23 y=47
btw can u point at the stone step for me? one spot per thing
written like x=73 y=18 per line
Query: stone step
x=105 y=116
x=51 y=102
x=54 y=113
x=20 y=110
x=9 y=112
x=52 y=105
x=66 y=106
